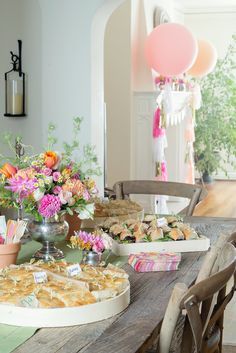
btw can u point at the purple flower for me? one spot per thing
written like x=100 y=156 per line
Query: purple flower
x=84 y=236
x=57 y=190
x=47 y=171
x=56 y=176
x=23 y=186
x=49 y=206
x=86 y=195
x=70 y=165
x=76 y=175
x=91 y=241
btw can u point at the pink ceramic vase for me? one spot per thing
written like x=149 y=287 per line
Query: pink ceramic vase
x=8 y=254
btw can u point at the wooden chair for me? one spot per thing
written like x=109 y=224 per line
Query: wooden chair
x=195 y=193
x=193 y=320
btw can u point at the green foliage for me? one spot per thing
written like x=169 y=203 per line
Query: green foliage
x=10 y=140
x=85 y=160
x=52 y=140
x=215 y=130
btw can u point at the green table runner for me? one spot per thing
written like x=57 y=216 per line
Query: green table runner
x=13 y=336
x=71 y=255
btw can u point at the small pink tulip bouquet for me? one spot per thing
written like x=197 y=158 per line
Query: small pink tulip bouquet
x=97 y=241
x=51 y=184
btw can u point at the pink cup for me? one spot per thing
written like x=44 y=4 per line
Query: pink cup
x=8 y=254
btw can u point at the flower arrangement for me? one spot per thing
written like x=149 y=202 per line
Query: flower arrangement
x=176 y=84
x=96 y=241
x=51 y=184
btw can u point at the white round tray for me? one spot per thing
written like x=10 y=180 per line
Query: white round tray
x=58 y=317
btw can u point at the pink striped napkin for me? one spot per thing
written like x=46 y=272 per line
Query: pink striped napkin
x=154 y=261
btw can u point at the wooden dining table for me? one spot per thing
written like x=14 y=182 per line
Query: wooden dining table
x=134 y=329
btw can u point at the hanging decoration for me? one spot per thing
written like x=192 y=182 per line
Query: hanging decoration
x=176 y=100
x=159 y=145
x=189 y=151
x=171 y=49
x=175 y=95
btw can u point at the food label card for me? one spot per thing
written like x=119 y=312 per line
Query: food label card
x=73 y=270
x=161 y=222
x=40 y=277
x=30 y=301
x=3 y=226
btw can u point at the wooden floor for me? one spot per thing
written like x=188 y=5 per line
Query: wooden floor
x=220 y=201
x=229 y=349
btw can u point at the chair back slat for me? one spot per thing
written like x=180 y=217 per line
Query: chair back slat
x=205 y=303
x=201 y=307
x=194 y=193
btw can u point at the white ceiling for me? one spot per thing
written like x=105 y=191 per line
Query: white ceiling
x=206 y=5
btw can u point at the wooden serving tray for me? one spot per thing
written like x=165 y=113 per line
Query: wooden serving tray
x=59 y=317
x=201 y=244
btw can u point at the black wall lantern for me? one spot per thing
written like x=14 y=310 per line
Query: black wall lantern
x=15 y=86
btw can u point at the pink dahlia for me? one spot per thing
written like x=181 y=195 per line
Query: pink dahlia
x=49 y=205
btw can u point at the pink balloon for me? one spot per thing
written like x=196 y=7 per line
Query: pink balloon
x=171 y=49
x=205 y=61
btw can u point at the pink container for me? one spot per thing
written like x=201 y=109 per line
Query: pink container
x=8 y=254
x=151 y=261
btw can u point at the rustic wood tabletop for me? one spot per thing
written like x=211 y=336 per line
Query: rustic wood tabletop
x=134 y=329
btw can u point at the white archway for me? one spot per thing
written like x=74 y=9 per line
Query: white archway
x=97 y=81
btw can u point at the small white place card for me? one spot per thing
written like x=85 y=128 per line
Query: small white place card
x=73 y=270
x=30 y=301
x=40 y=277
x=161 y=222
x=3 y=226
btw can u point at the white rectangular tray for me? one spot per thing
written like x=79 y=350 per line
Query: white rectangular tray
x=201 y=244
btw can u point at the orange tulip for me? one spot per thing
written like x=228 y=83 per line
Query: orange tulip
x=50 y=159
x=8 y=170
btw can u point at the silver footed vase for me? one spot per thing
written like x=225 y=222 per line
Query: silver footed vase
x=91 y=258
x=48 y=232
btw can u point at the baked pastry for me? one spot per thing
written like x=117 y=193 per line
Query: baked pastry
x=156 y=234
x=95 y=278
x=20 y=285
x=149 y=218
x=189 y=233
x=139 y=236
x=116 y=208
x=176 y=234
x=126 y=234
x=152 y=229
